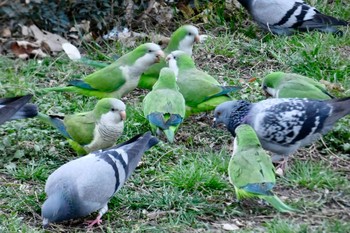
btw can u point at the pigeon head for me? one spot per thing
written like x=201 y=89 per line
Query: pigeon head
x=56 y=209
x=111 y=110
x=183 y=39
x=231 y=113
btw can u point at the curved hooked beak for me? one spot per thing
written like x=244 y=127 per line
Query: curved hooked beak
x=168 y=58
x=159 y=54
x=197 y=39
x=123 y=115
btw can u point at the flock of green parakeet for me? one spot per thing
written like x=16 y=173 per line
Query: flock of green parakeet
x=281 y=124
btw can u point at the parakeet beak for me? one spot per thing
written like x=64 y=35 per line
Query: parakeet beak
x=167 y=59
x=197 y=39
x=123 y=115
x=159 y=54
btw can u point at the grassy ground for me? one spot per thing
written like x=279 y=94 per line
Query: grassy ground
x=184 y=187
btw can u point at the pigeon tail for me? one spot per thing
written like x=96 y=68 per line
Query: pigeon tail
x=135 y=147
x=341 y=108
x=10 y=106
x=27 y=111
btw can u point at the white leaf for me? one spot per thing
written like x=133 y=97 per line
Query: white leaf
x=71 y=51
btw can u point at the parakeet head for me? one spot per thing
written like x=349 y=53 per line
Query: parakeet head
x=271 y=82
x=57 y=208
x=145 y=55
x=183 y=39
x=245 y=135
x=110 y=110
x=179 y=60
x=166 y=79
x=231 y=113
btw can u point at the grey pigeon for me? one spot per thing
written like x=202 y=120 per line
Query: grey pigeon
x=17 y=108
x=283 y=17
x=86 y=184
x=283 y=125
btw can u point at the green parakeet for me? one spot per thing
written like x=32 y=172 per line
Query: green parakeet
x=93 y=130
x=182 y=39
x=164 y=107
x=117 y=79
x=201 y=91
x=251 y=170
x=289 y=85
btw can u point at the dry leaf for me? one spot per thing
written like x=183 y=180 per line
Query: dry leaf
x=53 y=41
x=25 y=49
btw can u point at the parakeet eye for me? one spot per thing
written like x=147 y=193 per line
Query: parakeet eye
x=113 y=109
x=150 y=50
x=190 y=34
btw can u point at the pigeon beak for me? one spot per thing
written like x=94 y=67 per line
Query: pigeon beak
x=214 y=122
x=159 y=54
x=197 y=39
x=123 y=115
x=45 y=222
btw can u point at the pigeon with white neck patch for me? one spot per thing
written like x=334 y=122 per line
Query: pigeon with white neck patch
x=87 y=184
x=283 y=125
x=93 y=130
x=117 y=79
x=284 y=17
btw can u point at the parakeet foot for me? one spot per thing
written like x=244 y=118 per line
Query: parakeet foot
x=97 y=221
x=282 y=166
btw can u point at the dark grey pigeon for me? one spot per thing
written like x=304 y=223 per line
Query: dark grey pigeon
x=16 y=108
x=86 y=184
x=283 y=17
x=283 y=125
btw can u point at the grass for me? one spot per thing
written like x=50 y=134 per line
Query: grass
x=184 y=187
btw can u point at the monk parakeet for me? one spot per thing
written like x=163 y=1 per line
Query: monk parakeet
x=164 y=107
x=14 y=108
x=284 y=17
x=283 y=125
x=201 y=91
x=251 y=170
x=289 y=85
x=94 y=130
x=119 y=78
x=86 y=184
x=182 y=39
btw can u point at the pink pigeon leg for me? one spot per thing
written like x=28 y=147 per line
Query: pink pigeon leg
x=97 y=221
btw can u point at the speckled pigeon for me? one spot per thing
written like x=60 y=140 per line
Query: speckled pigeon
x=283 y=125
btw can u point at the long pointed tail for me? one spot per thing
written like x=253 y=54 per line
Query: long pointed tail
x=56 y=122
x=58 y=89
x=278 y=204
